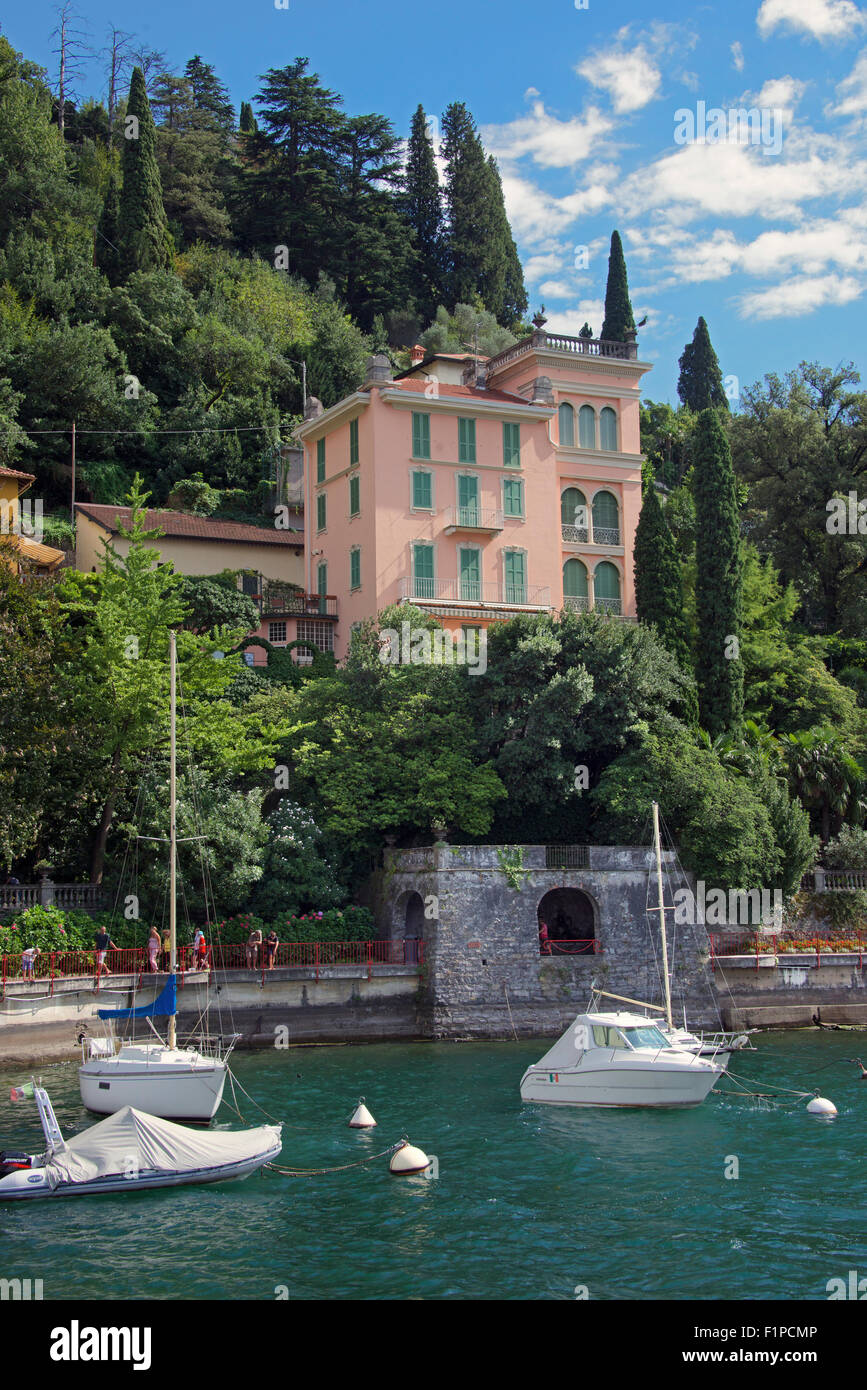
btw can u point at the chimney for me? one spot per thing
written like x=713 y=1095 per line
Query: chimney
x=543 y=391
x=312 y=408
x=378 y=370
x=417 y=354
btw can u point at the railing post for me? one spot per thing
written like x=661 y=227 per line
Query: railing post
x=369 y=960
x=818 y=955
x=316 y=958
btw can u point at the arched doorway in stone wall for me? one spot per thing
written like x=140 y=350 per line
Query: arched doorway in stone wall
x=567 y=923
x=408 y=923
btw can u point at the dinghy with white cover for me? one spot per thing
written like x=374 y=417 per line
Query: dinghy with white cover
x=130 y=1150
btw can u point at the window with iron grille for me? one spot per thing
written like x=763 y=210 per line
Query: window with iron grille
x=276 y=632
x=567 y=857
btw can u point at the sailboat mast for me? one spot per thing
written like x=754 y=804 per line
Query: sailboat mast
x=173 y=828
x=665 y=979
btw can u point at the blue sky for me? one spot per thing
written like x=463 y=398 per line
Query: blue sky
x=762 y=232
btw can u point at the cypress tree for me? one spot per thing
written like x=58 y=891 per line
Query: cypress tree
x=700 y=384
x=247 y=121
x=618 y=310
x=468 y=199
x=145 y=243
x=422 y=202
x=658 y=587
x=502 y=285
x=719 y=670
x=106 y=249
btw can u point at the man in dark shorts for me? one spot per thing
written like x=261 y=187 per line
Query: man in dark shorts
x=271 y=944
x=103 y=943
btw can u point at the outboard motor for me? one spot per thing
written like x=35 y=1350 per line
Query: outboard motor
x=12 y=1161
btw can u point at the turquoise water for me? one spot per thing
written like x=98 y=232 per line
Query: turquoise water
x=530 y=1202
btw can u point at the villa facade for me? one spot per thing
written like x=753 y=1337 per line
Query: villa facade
x=478 y=489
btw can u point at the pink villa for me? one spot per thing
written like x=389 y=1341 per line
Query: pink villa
x=479 y=489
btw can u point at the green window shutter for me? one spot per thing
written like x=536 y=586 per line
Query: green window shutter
x=606 y=517
x=511 y=445
x=354 y=496
x=513 y=497
x=516 y=577
x=422 y=490
x=574 y=580
x=468 y=500
x=355 y=569
x=566 y=425
x=320 y=512
x=606 y=587
x=423 y=571
x=353 y=441
x=320 y=460
x=466 y=441
x=420 y=436
x=608 y=429
x=322 y=579
x=587 y=427
x=471 y=588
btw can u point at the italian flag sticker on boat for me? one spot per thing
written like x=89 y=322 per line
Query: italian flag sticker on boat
x=553 y=1076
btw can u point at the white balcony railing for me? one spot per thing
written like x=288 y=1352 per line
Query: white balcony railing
x=473 y=518
x=415 y=589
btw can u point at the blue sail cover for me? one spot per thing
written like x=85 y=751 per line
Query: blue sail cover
x=165 y=1003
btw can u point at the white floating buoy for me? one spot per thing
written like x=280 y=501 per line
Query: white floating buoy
x=820 y=1106
x=408 y=1159
x=361 y=1117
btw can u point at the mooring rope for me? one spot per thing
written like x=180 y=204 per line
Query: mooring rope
x=509 y=1007
x=340 y=1168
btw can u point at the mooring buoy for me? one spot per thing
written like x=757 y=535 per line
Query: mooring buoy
x=361 y=1117
x=820 y=1106
x=408 y=1159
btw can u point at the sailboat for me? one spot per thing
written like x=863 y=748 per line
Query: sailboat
x=717 y=1046
x=157 y=1077
x=130 y=1151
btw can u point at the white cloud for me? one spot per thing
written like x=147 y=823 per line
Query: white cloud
x=820 y=19
x=737 y=52
x=853 y=89
x=556 y=289
x=552 y=143
x=571 y=320
x=781 y=92
x=802 y=295
x=629 y=76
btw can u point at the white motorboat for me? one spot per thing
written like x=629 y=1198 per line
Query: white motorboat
x=131 y=1151
x=718 y=1046
x=618 y=1059
x=177 y=1083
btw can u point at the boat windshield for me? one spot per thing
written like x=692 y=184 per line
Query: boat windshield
x=647 y=1036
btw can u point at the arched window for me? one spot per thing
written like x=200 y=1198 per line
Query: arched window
x=587 y=427
x=606 y=520
x=575 y=586
x=574 y=518
x=608 y=429
x=566 y=425
x=606 y=587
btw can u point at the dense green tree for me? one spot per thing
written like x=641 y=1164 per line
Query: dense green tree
x=189 y=148
x=619 y=321
x=246 y=120
x=825 y=777
x=700 y=384
x=422 y=201
x=145 y=243
x=658 y=586
x=465 y=327
x=298 y=874
x=800 y=441
x=107 y=246
x=719 y=666
x=213 y=602
x=502 y=284
x=210 y=95
x=666 y=440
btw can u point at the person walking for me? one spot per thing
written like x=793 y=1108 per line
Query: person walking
x=254 y=942
x=103 y=943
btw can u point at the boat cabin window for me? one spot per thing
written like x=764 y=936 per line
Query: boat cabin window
x=607 y=1037
x=648 y=1036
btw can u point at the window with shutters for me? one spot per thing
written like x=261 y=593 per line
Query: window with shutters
x=320 y=460
x=574 y=517
x=422 y=490
x=466 y=441
x=608 y=429
x=566 y=425
x=423 y=570
x=606 y=587
x=513 y=497
x=511 y=445
x=353 y=442
x=470 y=574
x=354 y=496
x=575 y=586
x=322 y=579
x=515 y=574
x=355 y=569
x=320 y=512
x=587 y=427
x=420 y=436
x=468 y=500
x=606 y=519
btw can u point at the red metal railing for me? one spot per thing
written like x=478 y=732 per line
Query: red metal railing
x=55 y=965
x=740 y=943
x=585 y=946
